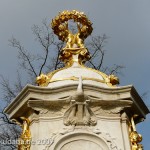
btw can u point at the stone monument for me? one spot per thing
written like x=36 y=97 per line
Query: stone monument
x=76 y=107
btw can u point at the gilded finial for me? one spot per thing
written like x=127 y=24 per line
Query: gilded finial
x=75 y=52
x=74 y=42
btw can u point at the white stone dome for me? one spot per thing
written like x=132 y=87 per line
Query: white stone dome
x=69 y=75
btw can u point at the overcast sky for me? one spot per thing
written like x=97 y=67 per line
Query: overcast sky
x=126 y=22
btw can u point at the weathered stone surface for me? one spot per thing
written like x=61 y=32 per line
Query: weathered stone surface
x=47 y=108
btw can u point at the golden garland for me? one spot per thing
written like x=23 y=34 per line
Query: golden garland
x=60 y=26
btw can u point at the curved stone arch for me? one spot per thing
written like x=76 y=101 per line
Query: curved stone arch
x=81 y=141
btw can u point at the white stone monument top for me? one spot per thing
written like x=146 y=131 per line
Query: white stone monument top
x=75 y=68
x=76 y=107
x=71 y=74
x=74 y=54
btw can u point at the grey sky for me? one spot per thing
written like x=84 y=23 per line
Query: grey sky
x=126 y=22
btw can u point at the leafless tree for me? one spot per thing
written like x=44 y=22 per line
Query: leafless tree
x=46 y=61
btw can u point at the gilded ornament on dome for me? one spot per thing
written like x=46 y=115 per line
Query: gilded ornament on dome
x=75 y=50
x=74 y=42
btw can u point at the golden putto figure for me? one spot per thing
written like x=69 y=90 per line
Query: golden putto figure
x=74 y=42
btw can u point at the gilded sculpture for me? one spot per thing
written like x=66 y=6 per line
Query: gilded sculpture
x=74 y=42
x=25 y=138
x=135 y=137
x=74 y=47
x=60 y=26
x=81 y=111
x=42 y=79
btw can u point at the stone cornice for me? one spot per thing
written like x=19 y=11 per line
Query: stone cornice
x=31 y=92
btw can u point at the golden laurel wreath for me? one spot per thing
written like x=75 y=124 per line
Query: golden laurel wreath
x=60 y=26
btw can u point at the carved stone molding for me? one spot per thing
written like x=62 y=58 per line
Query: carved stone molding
x=51 y=108
x=110 y=140
x=72 y=133
x=84 y=108
x=79 y=114
x=107 y=107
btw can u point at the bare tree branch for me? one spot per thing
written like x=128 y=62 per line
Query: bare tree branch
x=46 y=38
x=92 y=64
x=59 y=46
x=9 y=93
x=23 y=55
x=116 y=69
x=95 y=45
